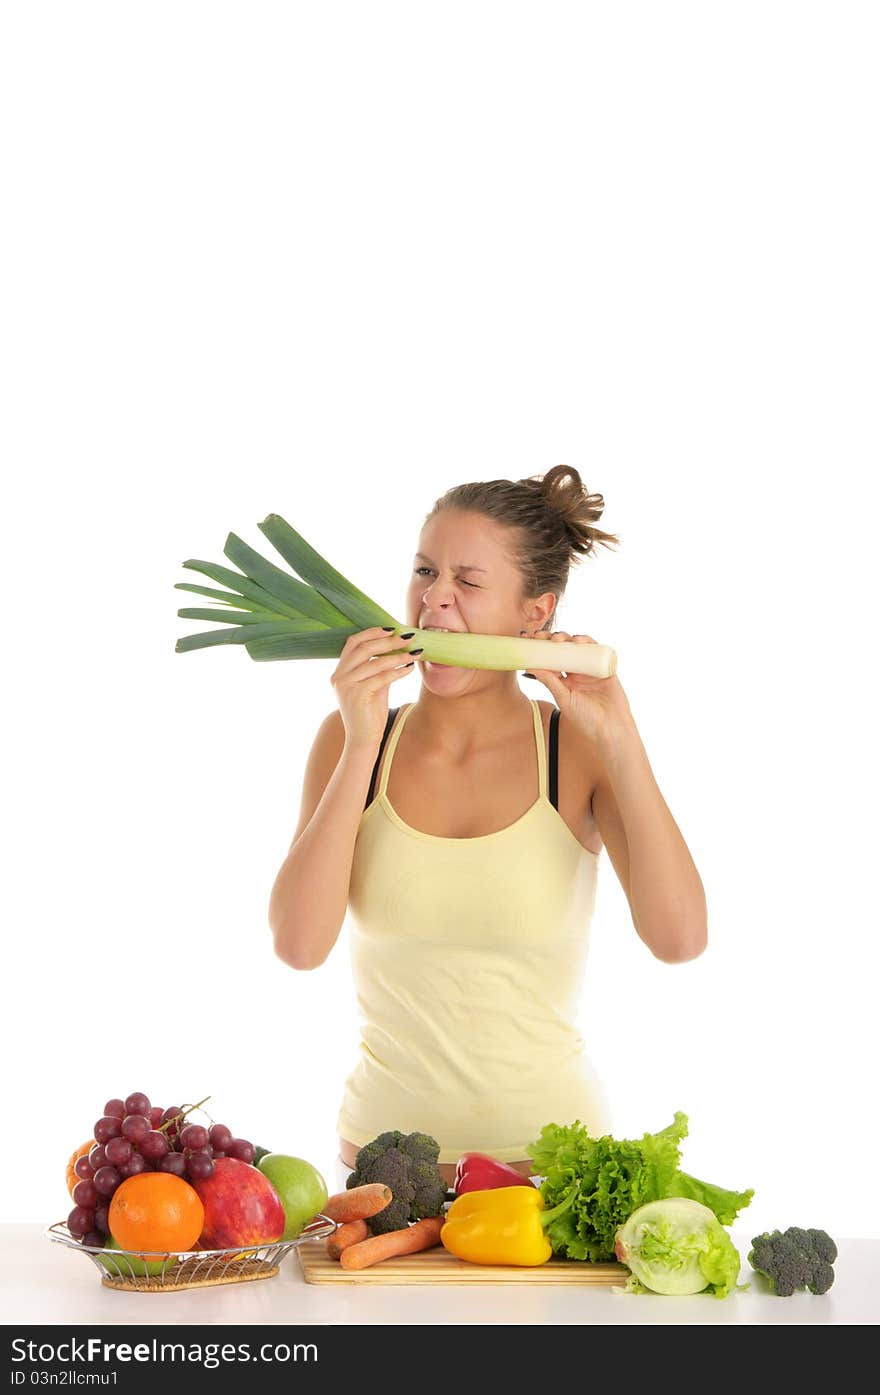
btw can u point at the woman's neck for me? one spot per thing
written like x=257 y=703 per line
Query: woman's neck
x=460 y=724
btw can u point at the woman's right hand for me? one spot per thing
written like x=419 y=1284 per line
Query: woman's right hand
x=362 y=680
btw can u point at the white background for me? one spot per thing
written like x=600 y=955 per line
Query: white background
x=328 y=261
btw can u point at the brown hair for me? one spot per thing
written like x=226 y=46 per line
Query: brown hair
x=553 y=516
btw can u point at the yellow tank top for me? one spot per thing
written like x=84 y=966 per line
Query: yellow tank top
x=468 y=956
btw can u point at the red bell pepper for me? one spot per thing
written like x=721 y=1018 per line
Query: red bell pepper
x=477 y=1172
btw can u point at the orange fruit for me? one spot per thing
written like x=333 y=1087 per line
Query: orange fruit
x=71 y=1177
x=155 y=1211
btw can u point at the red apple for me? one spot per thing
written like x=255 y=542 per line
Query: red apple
x=241 y=1207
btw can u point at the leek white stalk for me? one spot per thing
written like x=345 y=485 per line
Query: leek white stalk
x=510 y=652
x=277 y=616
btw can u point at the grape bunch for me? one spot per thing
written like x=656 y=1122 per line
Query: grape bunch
x=132 y=1136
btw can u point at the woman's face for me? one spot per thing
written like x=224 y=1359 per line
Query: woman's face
x=463 y=578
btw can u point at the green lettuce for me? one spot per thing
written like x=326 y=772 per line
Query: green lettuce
x=614 y=1177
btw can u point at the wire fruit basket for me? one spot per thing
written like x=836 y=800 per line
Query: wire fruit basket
x=175 y=1270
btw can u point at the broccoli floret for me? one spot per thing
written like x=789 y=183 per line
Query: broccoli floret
x=391 y=1166
x=374 y=1149
x=824 y=1246
x=421 y=1147
x=794 y=1259
x=430 y=1189
x=407 y=1163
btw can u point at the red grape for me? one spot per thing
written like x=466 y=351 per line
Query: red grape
x=154 y=1146
x=97 y=1157
x=86 y=1194
x=194 y=1136
x=240 y=1148
x=80 y=1222
x=106 y=1128
x=218 y=1155
x=115 y=1108
x=94 y=1238
x=106 y=1180
x=118 y=1151
x=83 y=1168
x=173 y=1162
x=156 y=1115
x=199 y=1166
x=220 y=1137
x=102 y=1219
x=134 y=1165
x=137 y=1104
x=135 y=1128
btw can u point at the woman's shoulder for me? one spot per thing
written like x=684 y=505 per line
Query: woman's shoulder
x=326 y=749
x=329 y=740
x=331 y=730
x=575 y=749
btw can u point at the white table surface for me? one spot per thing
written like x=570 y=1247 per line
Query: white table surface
x=42 y=1282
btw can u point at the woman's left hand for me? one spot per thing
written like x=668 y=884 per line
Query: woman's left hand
x=597 y=705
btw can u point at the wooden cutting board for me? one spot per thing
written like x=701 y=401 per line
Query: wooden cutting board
x=438 y=1266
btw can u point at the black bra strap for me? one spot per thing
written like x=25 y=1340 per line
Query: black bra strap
x=392 y=713
x=553 y=791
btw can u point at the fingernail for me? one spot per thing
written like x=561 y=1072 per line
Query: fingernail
x=529 y=675
x=389 y=628
x=410 y=664
x=409 y=634
x=417 y=651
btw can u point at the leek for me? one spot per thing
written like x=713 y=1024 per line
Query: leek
x=310 y=615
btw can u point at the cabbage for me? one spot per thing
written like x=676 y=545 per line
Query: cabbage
x=677 y=1246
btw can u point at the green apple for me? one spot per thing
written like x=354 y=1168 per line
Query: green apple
x=128 y=1264
x=300 y=1187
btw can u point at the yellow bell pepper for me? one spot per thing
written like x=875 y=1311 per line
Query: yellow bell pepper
x=502 y=1225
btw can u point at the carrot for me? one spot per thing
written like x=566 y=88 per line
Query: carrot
x=348 y=1234
x=421 y=1235
x=358 y=1203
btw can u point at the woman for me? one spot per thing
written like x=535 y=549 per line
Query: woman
x=470 y=873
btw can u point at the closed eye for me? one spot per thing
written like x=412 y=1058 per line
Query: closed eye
x=428 y=569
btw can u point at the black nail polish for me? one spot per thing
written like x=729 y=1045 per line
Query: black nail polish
x=389 y=628
x=417 y=651
x=408 y=635
x=529 y=675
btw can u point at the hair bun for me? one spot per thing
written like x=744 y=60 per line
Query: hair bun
x=565 y=494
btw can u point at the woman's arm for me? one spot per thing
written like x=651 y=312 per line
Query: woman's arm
x=649 y=855
x=309 y=898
